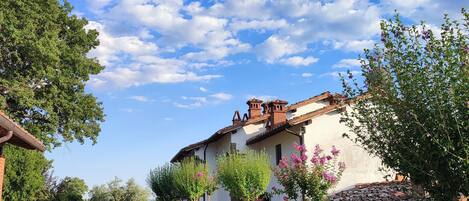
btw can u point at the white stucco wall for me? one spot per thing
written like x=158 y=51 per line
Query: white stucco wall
x=307 y=108
x=246 y=132
x=326 y=131
x=268 y=145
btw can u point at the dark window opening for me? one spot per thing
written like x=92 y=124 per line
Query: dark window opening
x=278 y=153
x=233 y=148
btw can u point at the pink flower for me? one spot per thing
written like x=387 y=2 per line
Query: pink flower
x=285 y=198
x=317 y=150
x=315 y=160
x=295 y=159
x=303 y=156
x=300 y=148
x=329 y=158
x=199 y=174
x=335 y=151
x=322 y=160
x=283 y=163
x=329 y=177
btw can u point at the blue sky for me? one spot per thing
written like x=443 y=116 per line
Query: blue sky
x=177 y=70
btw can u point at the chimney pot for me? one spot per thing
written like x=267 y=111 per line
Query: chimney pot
x=254 y=108
x=278 y=112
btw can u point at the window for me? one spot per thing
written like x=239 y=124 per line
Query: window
x=278 y=153
x=233 y=148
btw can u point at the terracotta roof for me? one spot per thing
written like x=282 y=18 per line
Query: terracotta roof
x=220 y=133
x=313 y=99
x=293 y=122
x=21 y=137
x=216 y=136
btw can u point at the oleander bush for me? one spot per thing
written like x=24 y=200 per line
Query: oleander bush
x=308 y=179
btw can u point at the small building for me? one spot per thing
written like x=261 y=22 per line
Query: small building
x=11 y=132
x=275 y=126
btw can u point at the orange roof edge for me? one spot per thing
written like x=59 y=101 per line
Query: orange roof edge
x=21 y=137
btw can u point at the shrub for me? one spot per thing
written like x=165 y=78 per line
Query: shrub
x=244 y=175
x=192 y=179
x=415 y=115
x=161 y=182
x=308 y=181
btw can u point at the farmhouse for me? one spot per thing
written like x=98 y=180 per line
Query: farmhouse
x=275 y=126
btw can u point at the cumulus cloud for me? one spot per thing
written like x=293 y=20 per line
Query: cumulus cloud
x=203 y=89
x=354 y=45
x=276 y=47
x=306 y=75
x=131 y=61
x=141 y=98
x=347 y=63
x=171 y=41
x=299 y=61
x=200 y=101
x=260 y=25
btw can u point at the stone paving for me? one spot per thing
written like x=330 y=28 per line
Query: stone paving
x=382 y=191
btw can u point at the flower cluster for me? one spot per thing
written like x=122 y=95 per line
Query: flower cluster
x=298 y=177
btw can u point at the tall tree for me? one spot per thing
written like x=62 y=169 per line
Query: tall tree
x=415 y=114
x=71 y=188
x=116 y=191
x=43 y=72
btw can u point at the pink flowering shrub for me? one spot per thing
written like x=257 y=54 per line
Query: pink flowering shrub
x=308 y=179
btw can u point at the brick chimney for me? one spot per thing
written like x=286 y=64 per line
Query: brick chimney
x=254 y=110
x=278 y=112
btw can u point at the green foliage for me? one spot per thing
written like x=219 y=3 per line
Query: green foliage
x=244 y=175
x=415 y=114
x=24 y=175
x=115 y=191
x=43 y=71
x=192 y=179
x=161 y=182
x=71 y=188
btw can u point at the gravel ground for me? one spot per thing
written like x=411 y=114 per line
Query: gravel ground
x=382 y=191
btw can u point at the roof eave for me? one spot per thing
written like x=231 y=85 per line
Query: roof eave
x=21 y=137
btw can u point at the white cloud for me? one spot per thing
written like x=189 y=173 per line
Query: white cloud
x=275 y=47
x=141 y=98
x=347 y=63
x=299 y=61
x=260 y=25
x=203 y=89
x=221 y=96
x=168 y=119
x=172 y=41
x=354 y=45
x=111 y=47
x=200 y=101
x=131 y=61
x=306 y=75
